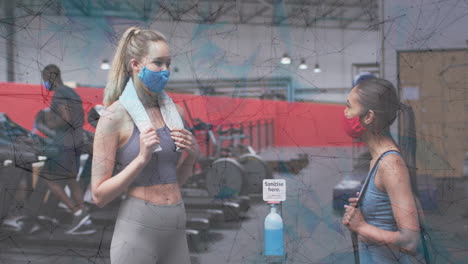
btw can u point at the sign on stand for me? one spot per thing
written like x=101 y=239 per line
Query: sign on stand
x=274 y=190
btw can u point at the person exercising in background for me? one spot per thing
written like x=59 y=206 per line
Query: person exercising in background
x=65 y=118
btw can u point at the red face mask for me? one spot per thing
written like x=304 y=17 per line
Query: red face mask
x=353 y=126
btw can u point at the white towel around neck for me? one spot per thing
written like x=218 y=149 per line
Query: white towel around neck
x=130 y=101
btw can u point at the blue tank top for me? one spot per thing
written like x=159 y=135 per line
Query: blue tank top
x=161 y=169
x=376 y=209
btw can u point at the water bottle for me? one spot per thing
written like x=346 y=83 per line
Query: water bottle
x=274 y=242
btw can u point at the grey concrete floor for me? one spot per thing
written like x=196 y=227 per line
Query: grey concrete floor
x=313 y=230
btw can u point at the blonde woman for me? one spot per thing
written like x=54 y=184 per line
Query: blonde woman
x=151 y=220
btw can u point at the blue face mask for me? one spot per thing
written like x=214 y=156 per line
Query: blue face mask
x=154 y=81
x=47 y=85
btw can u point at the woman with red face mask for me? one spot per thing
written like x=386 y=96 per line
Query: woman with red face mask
x=386 y=218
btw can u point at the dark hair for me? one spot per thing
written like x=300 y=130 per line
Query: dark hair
x=380 y=96
x=362 y=76
x=51 y=72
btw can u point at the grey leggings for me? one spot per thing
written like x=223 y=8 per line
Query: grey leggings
x=149 y=233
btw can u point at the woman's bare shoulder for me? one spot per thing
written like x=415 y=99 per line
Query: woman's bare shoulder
x=393 y=170
x=114 y=118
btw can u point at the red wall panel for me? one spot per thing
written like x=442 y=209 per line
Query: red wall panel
x=296 y=124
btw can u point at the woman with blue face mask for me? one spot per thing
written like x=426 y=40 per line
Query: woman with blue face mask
x=150 y=226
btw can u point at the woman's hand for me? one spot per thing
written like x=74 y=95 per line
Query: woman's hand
x=353 y=218
x=148 y=140
x=353 y=201
x=186 y=141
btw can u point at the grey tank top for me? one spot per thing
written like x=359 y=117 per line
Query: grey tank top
x=376 y=208
x=161 y=169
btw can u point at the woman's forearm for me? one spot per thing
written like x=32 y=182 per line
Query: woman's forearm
x=370 y=233
x=112 y=187
x=405 y=239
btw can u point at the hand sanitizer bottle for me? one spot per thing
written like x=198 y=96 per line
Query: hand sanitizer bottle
x=274 y=242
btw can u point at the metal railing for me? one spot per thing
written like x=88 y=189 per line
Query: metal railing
x=259 y=134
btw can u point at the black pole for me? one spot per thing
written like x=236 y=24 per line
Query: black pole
x=10 y=39
x=354 y=239
x=259 y=139
x=273 y=132
x=232 y=151
x=242 y=133
x=207 y=143
x=251 y=133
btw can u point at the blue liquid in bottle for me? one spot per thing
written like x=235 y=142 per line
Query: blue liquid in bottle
x=274 y=241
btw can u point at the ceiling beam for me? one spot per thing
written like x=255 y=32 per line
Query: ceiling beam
x=344 y=24
x=234 y=12
x=83 y=7
x=254 y=15
x=175 y=17
x=307 y=3
x=294 y=24
x=289 y=15
x=133 y=7
x=322 y=16
x=222 y=10
x=188 y=7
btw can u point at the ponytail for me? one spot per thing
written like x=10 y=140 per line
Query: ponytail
x=407 y=141
x=118 y=74
x=133 y=44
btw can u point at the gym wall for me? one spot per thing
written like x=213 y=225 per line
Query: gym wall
x=200 y=52
x=296 y=124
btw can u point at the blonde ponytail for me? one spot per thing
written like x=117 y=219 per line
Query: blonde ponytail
x=118 y=75
x=133 y=44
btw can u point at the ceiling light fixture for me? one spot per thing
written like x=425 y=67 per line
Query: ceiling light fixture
x=317 y=68
x=303 y=65
x=285 y=59
x=105 y=65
